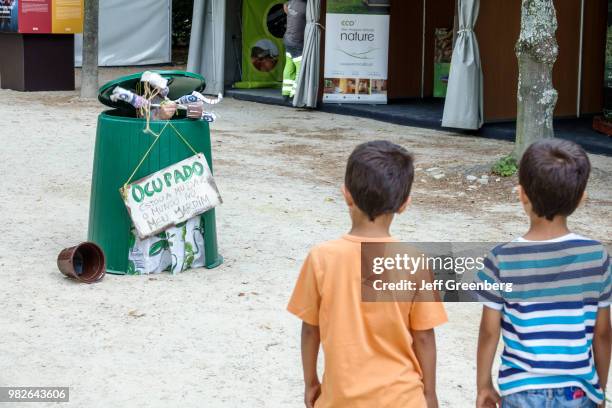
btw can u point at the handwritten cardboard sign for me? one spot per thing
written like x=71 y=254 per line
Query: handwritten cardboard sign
x=171 y=196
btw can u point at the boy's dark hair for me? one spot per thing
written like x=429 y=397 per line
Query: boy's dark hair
x=379 y=176
x=554 y=175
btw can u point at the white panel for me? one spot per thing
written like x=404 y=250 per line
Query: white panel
x=134 y=32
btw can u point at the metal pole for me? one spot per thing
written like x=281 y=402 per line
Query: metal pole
x=170 y=30
x=578 y=96
x=423 y=50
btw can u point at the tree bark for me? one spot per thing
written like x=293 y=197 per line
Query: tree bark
x=89 y=73
x=537 y=52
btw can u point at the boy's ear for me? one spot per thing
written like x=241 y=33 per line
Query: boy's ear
x=347 y=196
x=583 y=199
x=522 y=196
x=405 y=205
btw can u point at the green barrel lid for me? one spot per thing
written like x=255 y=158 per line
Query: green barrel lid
x=179 y=82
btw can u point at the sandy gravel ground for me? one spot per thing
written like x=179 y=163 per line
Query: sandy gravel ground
x=221 y=338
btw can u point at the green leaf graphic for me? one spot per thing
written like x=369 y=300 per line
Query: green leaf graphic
x=189 y=261
x=131 y=270
x=132 y=240
x=157 y=247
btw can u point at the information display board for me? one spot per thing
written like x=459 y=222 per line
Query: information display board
x=356 y=51
x=9 y=10
x=41 y=16
x=34 y=16
x=67 y=16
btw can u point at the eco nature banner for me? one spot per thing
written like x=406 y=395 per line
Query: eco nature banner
x=356 y=51
x=263 y=52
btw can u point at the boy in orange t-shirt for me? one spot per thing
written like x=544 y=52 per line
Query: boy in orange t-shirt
x=377 y=354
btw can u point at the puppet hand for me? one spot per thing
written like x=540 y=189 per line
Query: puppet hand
x=167 y=110
x=195 y=110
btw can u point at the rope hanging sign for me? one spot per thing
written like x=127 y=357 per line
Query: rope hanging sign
x=170 y=196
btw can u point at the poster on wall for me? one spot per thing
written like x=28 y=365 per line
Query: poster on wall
x=8 y=16
x=443 y=52
x=35 y=16
x=356 y=51
x=263 y=53
x=67 y=16
x=41 y=16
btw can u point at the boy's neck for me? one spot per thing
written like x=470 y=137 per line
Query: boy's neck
x=542 y=229
x=364 y=227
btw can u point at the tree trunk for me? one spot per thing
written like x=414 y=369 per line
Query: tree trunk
x=536 y=51
x=89 y=73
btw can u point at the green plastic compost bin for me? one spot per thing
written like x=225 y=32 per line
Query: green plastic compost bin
x=120 y=145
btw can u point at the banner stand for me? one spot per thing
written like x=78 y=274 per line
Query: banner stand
x=37 y=44
x=356 y=51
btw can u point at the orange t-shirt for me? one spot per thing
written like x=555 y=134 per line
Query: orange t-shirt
x=369 y=359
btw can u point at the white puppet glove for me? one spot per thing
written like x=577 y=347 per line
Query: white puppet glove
x=195 y=96
x=205 y=99
x=154 y=79
x=122 y=94
x=209 y=117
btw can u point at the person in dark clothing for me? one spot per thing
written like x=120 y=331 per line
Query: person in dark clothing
x=294 y=44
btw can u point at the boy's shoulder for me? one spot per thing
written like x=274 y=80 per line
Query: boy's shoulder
x=337 y=253
x=520 y=246
x=334 y=247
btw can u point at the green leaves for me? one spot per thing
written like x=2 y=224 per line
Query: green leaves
x=505 y=167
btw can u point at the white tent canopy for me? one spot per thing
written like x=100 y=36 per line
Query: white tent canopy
x=134 y=32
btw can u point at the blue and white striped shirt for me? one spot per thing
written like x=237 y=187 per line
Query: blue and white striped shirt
x=548 y=317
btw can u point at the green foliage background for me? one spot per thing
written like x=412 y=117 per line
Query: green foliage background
x=353 y=7
x=181 y=22
x=505 y=167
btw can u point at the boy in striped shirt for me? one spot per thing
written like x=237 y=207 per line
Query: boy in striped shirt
x=555 y=322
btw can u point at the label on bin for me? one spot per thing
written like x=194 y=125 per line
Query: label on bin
x=171 y=196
